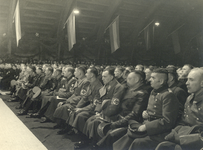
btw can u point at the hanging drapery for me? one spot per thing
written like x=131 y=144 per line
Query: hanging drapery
x=17 y=23
x=114 y=35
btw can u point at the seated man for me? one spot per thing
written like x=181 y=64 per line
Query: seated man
x=56 y=83
x=119 y=73
x=182 y=80
x=107 y=106
x=63 y=110
x=134 y=103
x=160 y=117
x=49 y=103
x=83 y=111
x=28 y=83
x=14 y=87
x=192 y=120
x=179 y=93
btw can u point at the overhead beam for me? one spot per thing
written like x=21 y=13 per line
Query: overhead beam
x=42 y=10
x=41 y=17
x=37 y=22
x=43 y=2
x=94 y=2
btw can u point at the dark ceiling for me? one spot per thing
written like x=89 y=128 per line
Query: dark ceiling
x=47 y=17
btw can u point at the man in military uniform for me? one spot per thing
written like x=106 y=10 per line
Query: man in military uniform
x=183 y=79
x=133 y=104
x=56 y=83
x=8 y=75
x=49 y=103
x=192 y=119
x=139 y=67
x=108 y=105
x=61 y=114
x=28 y=84
x=119 y=73
x=160 y=117
x=83 y=111
x=179 y=93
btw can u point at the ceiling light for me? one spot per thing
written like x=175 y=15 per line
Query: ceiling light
x=157 y=23
x=76 y=11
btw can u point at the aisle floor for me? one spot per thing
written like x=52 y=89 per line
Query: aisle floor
x=43 y=131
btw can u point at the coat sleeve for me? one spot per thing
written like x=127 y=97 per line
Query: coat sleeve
x=83 y=93
x=169 y=116
x=112 y=107
x=181 y=96
x=136 y=113
x=84 y=100
x=69 y=86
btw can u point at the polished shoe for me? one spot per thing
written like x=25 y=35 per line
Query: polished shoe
x=22 y=112
x=35 y=115
x=45 y=120
x=63 y=131
x=81 y=144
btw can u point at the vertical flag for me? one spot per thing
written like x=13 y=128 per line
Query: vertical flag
x=17 y=23
x=71 y=30
x=175 y=40
x=114 y=35
x=148 y=36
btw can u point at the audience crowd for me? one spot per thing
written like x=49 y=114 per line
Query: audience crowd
x=112 y=107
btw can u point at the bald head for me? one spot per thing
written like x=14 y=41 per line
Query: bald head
x=195 y=80
x=134 y=79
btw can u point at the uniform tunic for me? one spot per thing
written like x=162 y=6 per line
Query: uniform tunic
x=162 y=111
x=110 y=97
x=181 y=96
x=77 y=120
x=79 y=91
x=134 y=103
x=193 y=115
x=30 y=84
x=69 y=85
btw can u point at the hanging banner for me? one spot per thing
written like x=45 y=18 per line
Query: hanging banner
x=17 y=23
x=114 y=35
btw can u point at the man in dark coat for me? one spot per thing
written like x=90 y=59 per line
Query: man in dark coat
x=160 y=117
x=119 y=74
x=179 y=93
x=183 y=79
x=49 y=103
x=192 y=119
x=133 y=104
x=27 y=85
x=63 y=110
x=108 y=105
x=83 y=111
x=56 y=83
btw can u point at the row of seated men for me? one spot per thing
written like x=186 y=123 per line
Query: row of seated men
x=7 y=73
x=145 y=110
